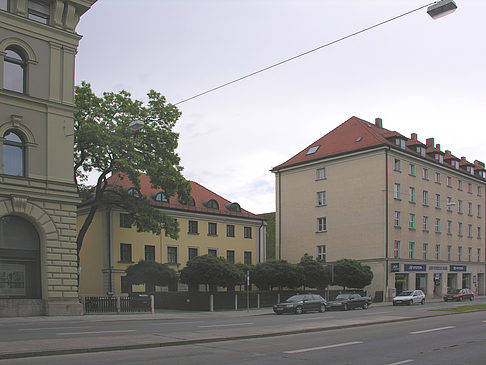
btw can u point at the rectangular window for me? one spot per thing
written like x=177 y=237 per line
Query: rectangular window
x=321 y=253
x=437 y=201
x=469 y=188
x=321 y=224
x=449 y=227
x=449 y=204
x=480 y=211
x=469 y=209
x=172 y=255
x=125 y=252
x=4 y=5
x=459 y=206
x=396 y=191
x=193 y=229
x=425 y=223
x=459 y=253
x=449 y=253
x=212 y=251
x=321 y=173
x=437 y=225
x=192 y=252
x=480 y=191
x=411 y=221
x=212 y=229
x=437 y=252
x=469 y=254
x=411 y=250
x=411 y=169
x=479 y=255
x=459 y=184
x=469 y=230
x=411 y=194
x=149 y=253
x=397 y=165
x=230 y=230
x=230 y=256
x=38 y=11
x=449 y=181
x=125 y=221
x=425 y=197
x=425 y=251
x=425 y=174
x=459 y=229
x=437 y=177
x=247 y=232
x=247 y=258
x=479 y=232
x=396 y=218
x=396 y=250
x=321 y=198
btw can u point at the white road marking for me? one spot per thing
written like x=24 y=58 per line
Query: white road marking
x=227 y=325
x=401 y=362
x=323 y=347
x=93 y=332
x=50 y=328
x=432 y=330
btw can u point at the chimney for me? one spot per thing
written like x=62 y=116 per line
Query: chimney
x=463 y=158
x=414 y=136
x=429 y=142
x=437 y=146
x=448 y=152
x=379 y=122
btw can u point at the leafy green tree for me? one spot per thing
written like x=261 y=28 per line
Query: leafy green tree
x=316 y=275
x=352 y=274
x=104 y=142
x=277 y=273
x=244 y=268
x=212 y=271
x=150 y=273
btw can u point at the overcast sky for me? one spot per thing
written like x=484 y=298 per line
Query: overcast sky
x=417 y=74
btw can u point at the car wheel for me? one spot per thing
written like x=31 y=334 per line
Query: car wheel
x=410 y=302
x=278 y=313
x=422 y=301
x=461 y=299
x=471 y=298
x=346 y=307
x=365 y=306
x=322 y=308
x=299 y=310
x=394 y=304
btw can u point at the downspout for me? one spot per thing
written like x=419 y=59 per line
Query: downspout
x=110 y=252
x=386 y=221
x=279 y=210
x=262 y=242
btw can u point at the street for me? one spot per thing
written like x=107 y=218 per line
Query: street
x=257 y=337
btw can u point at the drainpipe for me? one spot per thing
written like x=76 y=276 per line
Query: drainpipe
x=279 y=210
x=386 y=224
x=110 y=250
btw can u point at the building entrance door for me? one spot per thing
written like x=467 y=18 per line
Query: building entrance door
x=421 y=282
x=451 y=282
x=437 y=285
x=401 y=282
x=466 y=281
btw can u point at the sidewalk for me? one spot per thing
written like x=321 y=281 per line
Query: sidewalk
x=31 y=348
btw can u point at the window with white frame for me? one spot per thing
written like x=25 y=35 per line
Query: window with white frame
x=449 y=253
x=411 y=194
x=459 y=207
x=322 y=224
x=449 y=181
x=437 y=251
x=14 y=70
x=469 y=188
x=479 y=232
x=13 y=154
x=480 y=211
x=425 y=197
x=449 y=227
x=437 y=200
x=459 y=229
x=459 y=184
x=449 y=204
x=437 y=177
x=480 y=192
x=396 y=218
x=425 y=251
x=321 y=198
x=469 y=230
x=411 y=169
x=459 y=253
x=172 y=255
x=321 y=173
x=425 y=173
x=321 y=253
x=425 y=223
x=411 y=221
x=396 y=191
x=411 y=250
x=469 y=208
x=437 y=225
x=469 y=254
x=479 y=254
x=38 y=11
x=397 y=165
x=396 y=249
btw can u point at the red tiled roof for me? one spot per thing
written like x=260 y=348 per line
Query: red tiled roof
x=199 y=194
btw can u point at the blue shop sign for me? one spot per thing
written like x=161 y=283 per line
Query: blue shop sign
x=414 y=267
x=437 y=267
x=395 y=267
x=456 y=268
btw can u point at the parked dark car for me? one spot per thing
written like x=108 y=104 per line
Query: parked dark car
x=459 y=295
x=349 y=301
x=301 y=303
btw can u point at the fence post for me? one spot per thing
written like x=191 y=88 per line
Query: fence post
x=236 y=302
x=211 y=303
x=152 y=304
x=258 y=301
x=118 y=304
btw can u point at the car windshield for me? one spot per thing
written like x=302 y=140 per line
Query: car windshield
x=296 y=298
x=406 y=293
x=454 y=291
x=343 y=296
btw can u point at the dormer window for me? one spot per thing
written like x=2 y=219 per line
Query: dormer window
x=312 y=150
x=455 y=164
x=470 y=169
x=38 y=11
x=400 y=142
x=233 y=207
x=482 y=174
x=439 y=158
x=161 y=197
x=211 y=204
x=421 y=151
x=133 y=192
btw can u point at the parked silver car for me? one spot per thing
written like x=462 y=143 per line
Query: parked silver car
x=409 y=297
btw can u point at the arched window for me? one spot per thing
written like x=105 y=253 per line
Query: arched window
x=14 y=69
x=211 y=204
x=13 y=154
x=161 y=197
x=134 y=192
x=19 y=259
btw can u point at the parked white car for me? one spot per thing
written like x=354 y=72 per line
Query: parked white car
x=409 y=297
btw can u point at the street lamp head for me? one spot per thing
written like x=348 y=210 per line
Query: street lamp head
x=136 y=125
x=441 y=8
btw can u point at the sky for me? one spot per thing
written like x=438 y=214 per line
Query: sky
x=419 y=75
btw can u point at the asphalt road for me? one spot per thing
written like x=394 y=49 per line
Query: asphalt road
x=453 y=339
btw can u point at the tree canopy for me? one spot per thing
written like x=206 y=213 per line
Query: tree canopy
x=212 y=271
x=316 y=275
x=104 y=142
x=150 y=273
x=352 y=274
x=277 y=273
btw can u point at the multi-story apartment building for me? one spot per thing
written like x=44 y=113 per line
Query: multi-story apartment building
x=414 y=213
x=38 y=197
x=209 y=224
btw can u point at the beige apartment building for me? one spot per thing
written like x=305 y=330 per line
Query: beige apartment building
x=412 y=212
x=38 y=197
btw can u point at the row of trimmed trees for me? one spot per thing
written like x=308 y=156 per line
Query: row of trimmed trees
x=215 y=271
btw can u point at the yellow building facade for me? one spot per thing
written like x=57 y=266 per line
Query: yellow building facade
x=209 y=225
x=413 y=213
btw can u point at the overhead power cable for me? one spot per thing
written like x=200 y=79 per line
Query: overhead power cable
x=301 y=54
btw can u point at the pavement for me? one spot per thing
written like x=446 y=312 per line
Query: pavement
x=74 y=345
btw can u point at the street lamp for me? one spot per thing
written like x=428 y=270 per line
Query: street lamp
x=441 y=8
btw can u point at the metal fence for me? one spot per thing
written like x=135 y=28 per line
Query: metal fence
x=113 y=304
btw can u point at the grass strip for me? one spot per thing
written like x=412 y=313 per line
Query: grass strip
x=463 y=308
